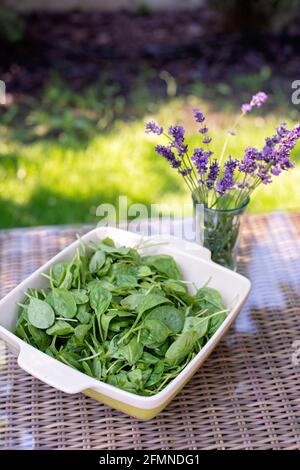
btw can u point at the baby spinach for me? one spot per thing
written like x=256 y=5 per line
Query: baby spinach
x=132 y=301
x=40 y=337
x=97 y=261
x=97 y=368
x=81 y=331
x=197 y=324
x=118 y=324
x=57 y=273
x=100 y=298
x=174 y=286
x=148 y=358
x=181 y=347
x=164 y=264
x=105 y=321
x=209 y=299
x=126 y=319
x=80 y=296
x=64 y=303
x=216 y=321
x=40 y=314
x=132 y=351
x=83 y=315
x=150 y=301
x=156 y=374
x=172 y=317
x=121 y=381
x=60 y=328
x=154 y=333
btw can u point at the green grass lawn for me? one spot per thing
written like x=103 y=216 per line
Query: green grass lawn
x=63 y=156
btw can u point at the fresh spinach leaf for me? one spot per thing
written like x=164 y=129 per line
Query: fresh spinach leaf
x=81 y=331
x=150 y=301
x=121 y=381
x=105 y=321
x=197 y=324
x=132 y=351
x=181 y=347
x=83 y=315
x=100 y=298
x=156 y=374
x=154 y=333
x=97 y=261
x=40 y=337
x=64 y=303
x=117 y=325
x=58 y=273
x=170 y=316
x=80 y=296
x=216 y=322
x=174 y=286
x=40 y=314
x=60 y=328
x=132 y=301
x=164 y=264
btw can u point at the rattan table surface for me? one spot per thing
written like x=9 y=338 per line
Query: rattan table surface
x=246 y=396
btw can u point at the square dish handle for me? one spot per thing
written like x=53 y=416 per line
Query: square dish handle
x=45 y=368
x=54 y=373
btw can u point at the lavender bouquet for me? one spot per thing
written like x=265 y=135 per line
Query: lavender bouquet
x=223 y=185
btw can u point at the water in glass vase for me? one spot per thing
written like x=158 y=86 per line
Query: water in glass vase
x=218 y=230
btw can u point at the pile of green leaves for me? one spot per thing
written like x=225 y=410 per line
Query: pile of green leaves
x=120 y=317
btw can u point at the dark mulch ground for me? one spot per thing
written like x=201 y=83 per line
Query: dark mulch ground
x=83 y=47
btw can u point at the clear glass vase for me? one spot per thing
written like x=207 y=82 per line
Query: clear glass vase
x=218 y=230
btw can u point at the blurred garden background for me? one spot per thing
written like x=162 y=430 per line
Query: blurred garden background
x=81 y=83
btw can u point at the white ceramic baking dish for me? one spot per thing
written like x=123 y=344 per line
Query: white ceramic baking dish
x=196 y=266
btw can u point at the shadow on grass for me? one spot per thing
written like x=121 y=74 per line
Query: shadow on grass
x=62 y=113
x=46 y=207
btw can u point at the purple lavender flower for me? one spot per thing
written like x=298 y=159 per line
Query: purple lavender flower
x=199 y=117
x=165 y=151
x=269 y=152
x=153 y=127
x=249 y=163
x=176 y=163
x=200 y=160
x=213 y=172
x=275 y=171
x=168 y=154
x=256 y=166
x=286 y=146
x=281 y=131
x=182 y=149
x=177 y=132
x=257 y=100
x=263 y=174
x=285 y=163
x=227 y=182
x=290 y=139
x=203 y=130
x=246 y=108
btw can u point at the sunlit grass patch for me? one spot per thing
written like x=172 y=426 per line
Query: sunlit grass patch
x=60 y=161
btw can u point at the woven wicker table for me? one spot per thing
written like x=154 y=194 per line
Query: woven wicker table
x=246 y=396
